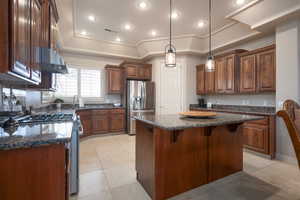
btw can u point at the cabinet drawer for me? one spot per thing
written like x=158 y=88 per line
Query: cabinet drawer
x=117 y=111
x=84 y=114
x=100 y=112
x=264 y=121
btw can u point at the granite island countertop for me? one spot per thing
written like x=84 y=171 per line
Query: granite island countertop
x=243 y=109
x=177 y=122
x=27 y=136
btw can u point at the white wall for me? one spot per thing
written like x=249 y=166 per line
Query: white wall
x=188 y=76
x=288 y=80
x=253 y=99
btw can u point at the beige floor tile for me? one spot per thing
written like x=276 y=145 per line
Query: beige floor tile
x=92 y=183
x=107 y=166
x=132 y=191
x=120 y=176
x=101 y=195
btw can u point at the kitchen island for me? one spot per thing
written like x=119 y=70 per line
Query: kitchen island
x=175 y=154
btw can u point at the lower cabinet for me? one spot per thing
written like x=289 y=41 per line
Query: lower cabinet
x=102 y=121
x=34 y=173
x=259 y=135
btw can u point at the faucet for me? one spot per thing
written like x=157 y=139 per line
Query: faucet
x=74 y=100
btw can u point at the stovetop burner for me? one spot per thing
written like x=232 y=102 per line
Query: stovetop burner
x=46 y=118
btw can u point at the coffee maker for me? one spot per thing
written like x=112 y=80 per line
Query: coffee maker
x=202 y=103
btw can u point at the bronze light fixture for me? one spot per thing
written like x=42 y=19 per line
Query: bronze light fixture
x=170 y=50
x=210 y=63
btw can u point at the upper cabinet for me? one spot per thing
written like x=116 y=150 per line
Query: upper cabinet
x=226 y=74
x=137 y=70
x=200 y=79
x=115 y=81
x=258 y=70
x=19 y=62
x=26 y=29
x=240 y=71
x=36 y=37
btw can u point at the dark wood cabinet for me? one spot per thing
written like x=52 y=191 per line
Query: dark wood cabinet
x=220 y=81
x=258 y=70
x=137 y=70
x=257 y=135
x=115 y=81
x=96 y=122
x=248 y=74
x=209 y=82
x=117 y=120
x=36 y=37
x=266 y=71
x=26 y=29
x=227 y=68
x=34 y=173
x=200 y=79
x=20 y=20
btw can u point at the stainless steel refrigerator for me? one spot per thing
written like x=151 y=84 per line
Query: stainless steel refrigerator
x=140 y=100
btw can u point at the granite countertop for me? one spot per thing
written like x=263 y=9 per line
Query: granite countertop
x=251 y=110
x=176 y=122
x=69 y=108
x=27 y=136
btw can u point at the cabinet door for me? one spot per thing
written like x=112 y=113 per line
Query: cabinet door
x=21 y=38
x=100 y=124
x=36 y=20
x=255 y=137
x=114 y=81
x=266 y=71
x=117 y=122
x=141 y=72
x=86 y=125
x=53 y=31
x=200 y=79
x=220 y=81
x=230 y=78
x=148 y=73
x=209 y=82
x=131 y=71
x=248 y=74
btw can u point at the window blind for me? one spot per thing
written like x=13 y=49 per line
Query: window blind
x=67 y=84
x=90 y=83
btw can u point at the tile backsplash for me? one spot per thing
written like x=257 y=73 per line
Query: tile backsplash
x=268 y=99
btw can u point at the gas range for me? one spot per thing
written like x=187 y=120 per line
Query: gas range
x=46 y=118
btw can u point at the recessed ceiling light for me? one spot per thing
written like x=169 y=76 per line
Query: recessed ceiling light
x=153 y=33
x=143 y=5
x=92 y=18
x=83 y=33
x=240 y=2
x=118 y=39
x=201 y=24
x=127 y=27
x=175 y=15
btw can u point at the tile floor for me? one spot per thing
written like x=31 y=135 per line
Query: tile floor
x=107 y=173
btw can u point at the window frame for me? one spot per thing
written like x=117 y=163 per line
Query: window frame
x=79 y=82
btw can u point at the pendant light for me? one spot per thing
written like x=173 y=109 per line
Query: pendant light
x=210 y=63
x=170 y=50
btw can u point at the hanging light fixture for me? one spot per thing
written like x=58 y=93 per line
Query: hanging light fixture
x=210 y=63
x=170 y=49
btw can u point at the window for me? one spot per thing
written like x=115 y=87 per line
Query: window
x=90 y=83
x=67 y=84
x=83 y=82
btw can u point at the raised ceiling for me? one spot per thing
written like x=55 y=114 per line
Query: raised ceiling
x=115 y=14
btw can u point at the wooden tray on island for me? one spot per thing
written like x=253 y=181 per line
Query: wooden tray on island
x=198 y=114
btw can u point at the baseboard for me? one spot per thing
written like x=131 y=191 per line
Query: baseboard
x=287 y=159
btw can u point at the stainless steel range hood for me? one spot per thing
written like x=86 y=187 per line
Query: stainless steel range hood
x=52 y=62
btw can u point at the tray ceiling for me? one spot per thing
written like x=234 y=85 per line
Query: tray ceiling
x=115 y=14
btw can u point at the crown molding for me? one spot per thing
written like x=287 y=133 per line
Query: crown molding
x=247 y=6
